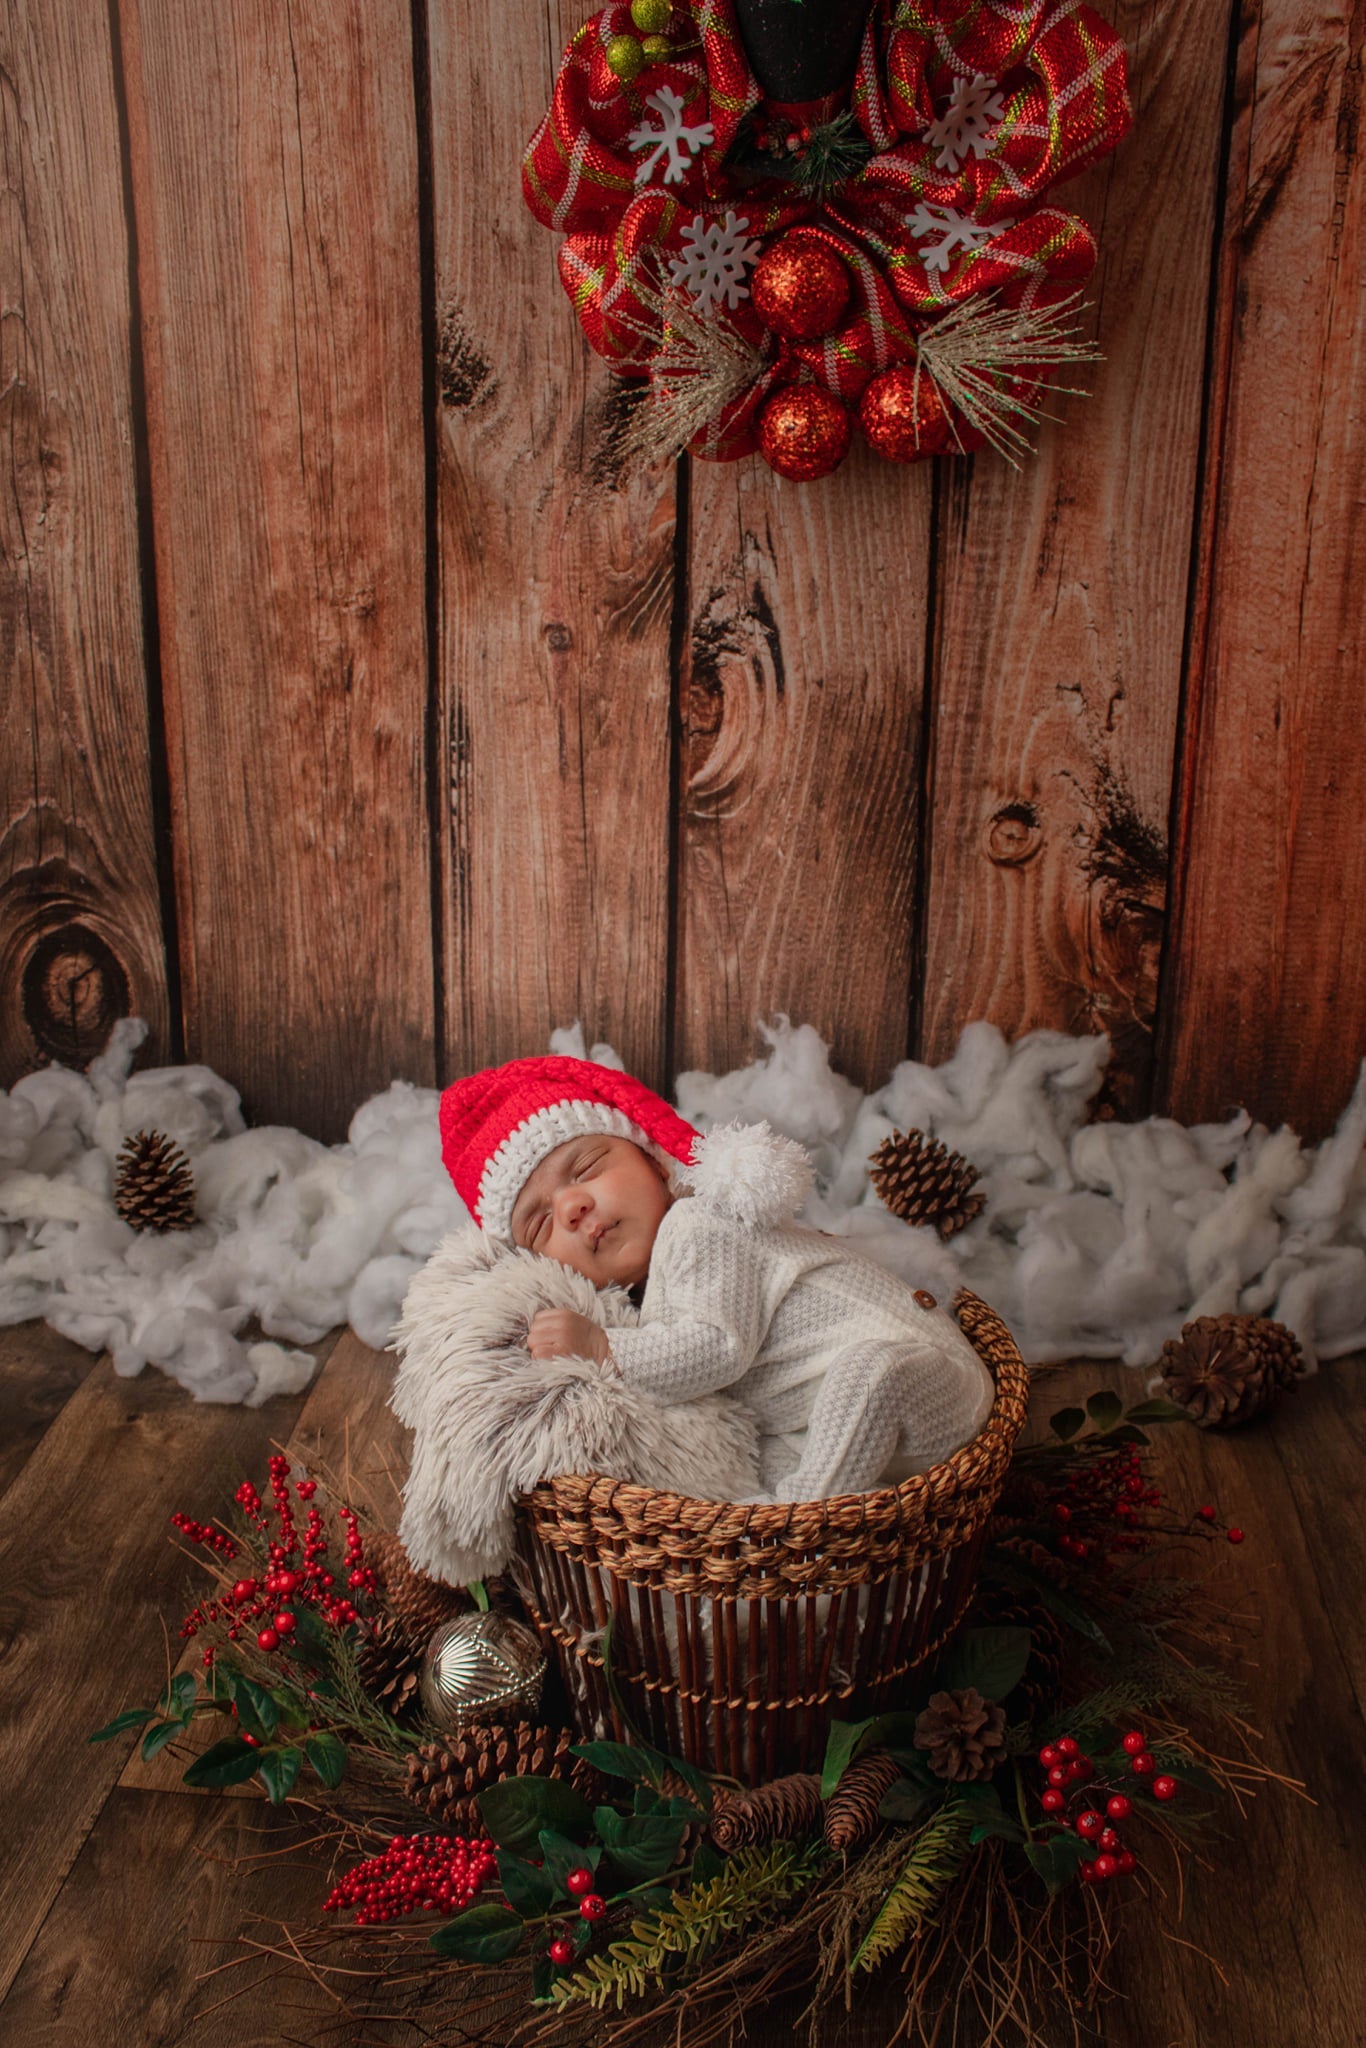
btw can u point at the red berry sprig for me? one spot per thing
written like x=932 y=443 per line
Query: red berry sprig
x=298 y=1568
x=415 y=1874
x=1068 y=1769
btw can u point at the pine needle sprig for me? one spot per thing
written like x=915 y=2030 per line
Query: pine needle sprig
x=972 y=352
x=936 y=1857
x=754 y=1886
x=699 y=368
x=836 y=152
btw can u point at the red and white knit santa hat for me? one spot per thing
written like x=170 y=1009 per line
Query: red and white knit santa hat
x=497 y=1126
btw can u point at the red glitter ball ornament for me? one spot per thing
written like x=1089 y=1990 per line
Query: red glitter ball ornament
x=804 y=433
x=903 y=415
x=799 y=289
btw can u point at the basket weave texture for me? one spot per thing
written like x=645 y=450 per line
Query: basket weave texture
x=739 y=1632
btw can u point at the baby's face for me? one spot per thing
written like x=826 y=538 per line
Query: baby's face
x=595 y=1204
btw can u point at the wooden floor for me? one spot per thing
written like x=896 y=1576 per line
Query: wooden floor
x=116 y=1892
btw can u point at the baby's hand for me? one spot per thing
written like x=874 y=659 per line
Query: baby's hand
x=561 y=1333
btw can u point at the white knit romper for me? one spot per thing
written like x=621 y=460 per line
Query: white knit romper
x=841 y=1365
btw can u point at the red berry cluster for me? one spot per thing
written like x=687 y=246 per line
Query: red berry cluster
x=1069 y=1768
x=415 y=1874
x=298 y=1567
x=200 y=1532
x=1101 y=1510
x=592 y=1906
x=1209 y=1513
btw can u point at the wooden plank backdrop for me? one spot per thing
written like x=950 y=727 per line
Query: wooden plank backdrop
x=354 y=730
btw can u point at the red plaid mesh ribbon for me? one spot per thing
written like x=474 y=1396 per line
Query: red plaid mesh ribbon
x=936 y=215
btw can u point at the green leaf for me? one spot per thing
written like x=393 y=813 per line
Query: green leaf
x=1158 y=1410
x=697 y=1782
x=514 y=1811
x=707 y=1864
x=992 y=1660
x=229 y=1762
x=542 y=1977
x=256 y=1708
x=616 y=1760
x=640 y=1847
x=843 y=1740
x=327 y=1754
x=179 y=1696
x=1126 y=1434
x=1105 y=1410
x=561 y=1856
x=529 y=1891
x=904 y=1801
x=131 y=1717
x=279 y=1772
x=1067 y=1422
x=1056 y=1859
x=482 y=1934
x=157 y=1738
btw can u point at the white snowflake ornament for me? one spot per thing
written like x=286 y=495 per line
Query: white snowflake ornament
x=955 y=231
x=674 y=143
x=714 y=268
x=968 y=123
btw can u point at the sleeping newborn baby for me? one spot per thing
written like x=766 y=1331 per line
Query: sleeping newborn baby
x=843 y=1366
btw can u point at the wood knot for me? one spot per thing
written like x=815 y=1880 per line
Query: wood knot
x=74 y=990
x=558 y=638
x=1014 y=834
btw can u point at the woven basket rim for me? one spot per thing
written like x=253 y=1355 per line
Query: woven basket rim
x=885 y=1508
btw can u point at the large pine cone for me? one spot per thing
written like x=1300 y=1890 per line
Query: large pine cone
x=851 y=1812
x=390 y=1668
x=420 y=1605
x=154 y=1183
x=963 y=1735
x=788 y=1810
x=445 y=1778
x=922 y=1182
x=1225 y=1369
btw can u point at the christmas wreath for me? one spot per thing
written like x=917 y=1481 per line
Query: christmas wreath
x=887 y=253
x=1048 y=1778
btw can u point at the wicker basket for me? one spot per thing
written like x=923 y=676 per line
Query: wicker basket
x=739 y=1633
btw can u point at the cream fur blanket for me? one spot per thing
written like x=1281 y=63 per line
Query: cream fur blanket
x=489 y=1420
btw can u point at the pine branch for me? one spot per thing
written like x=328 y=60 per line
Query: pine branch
x=972 y=353
x=754 y=1885
x=936 y=1857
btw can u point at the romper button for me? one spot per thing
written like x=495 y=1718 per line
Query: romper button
x=925 y=1298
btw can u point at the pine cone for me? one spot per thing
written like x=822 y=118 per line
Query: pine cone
x=1037 y=1556
x=921 y=1181
x=154 y=1183
x=444 y=1778
x=785 y=1811
x=998 y=1606
x=963 y=1734
x=1223 y=1370
x=390 y=1668
x=851 y=1812
x=419 y=1604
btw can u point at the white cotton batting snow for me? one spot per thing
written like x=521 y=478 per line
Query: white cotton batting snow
x=1098 y=1239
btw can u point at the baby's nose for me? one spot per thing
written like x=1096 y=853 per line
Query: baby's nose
x=572 y=1205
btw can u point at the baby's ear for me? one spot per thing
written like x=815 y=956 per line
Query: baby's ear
x=750 y=1174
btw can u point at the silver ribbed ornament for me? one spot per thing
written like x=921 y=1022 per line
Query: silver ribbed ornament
x=481 y=1667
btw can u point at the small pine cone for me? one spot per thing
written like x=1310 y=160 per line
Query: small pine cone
x=921 y=1181
x=786 y=1811
x=444 y=1777
x=1223 y=1370
x=153 y=1183
x=851 y=1812
x=389 y=1668
x=1003 y=1607
x=963 y=1734
x=1037 y=1557
x=420 y=1605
